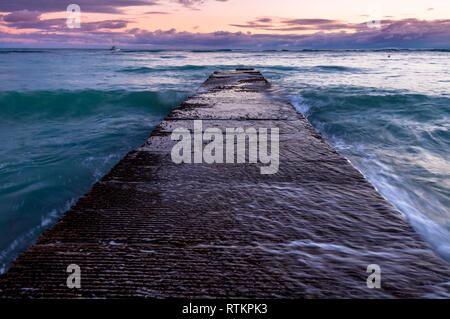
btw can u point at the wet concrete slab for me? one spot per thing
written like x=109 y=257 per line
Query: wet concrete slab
x=153 y=228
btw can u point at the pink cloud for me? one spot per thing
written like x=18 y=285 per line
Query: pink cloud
x=407 y=33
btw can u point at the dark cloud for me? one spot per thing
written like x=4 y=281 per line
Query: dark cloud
x=104 y=6
x=101 y=6
x=49 y=24
x=264 y=20
x=289 y=25
x=22 y=16
x=157 y=12
x=24 y=19
x=254 y=25
x=307 y=21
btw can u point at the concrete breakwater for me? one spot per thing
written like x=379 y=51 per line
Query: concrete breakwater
x=155 y=227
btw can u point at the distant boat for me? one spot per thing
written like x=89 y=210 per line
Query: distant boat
x=113 y=48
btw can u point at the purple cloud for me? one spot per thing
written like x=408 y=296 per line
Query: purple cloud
x=22 y=16
x=101 y=6
x=24 y=19
x=157 y=12
x=289 y=25
x=104 y=6
x=407 y=33
x=307 y=21
x=106 y=24
x=193 y=3
x=264 y=20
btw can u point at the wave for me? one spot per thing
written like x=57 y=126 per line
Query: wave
x=334 y=68
x=344 y=99
x=8 y=51
x=78 y=103
x=360 y=50
x=173 y=57
x=141 y=51
x=207 y=51
x=318 y=68
x=278 y=68
x=163 y=69
x=21 y=243
x=399 y=141
x=56 y=144
x=439 y=50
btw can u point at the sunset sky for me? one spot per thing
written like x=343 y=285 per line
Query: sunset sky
x=215 y=24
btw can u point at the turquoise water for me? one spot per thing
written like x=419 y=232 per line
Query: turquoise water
x=67 y=116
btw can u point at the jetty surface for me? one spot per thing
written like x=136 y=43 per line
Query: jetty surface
x=154 y=228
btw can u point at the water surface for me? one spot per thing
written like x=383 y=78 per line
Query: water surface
x=67 y=116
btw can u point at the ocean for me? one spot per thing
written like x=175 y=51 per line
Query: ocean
x=68 y=116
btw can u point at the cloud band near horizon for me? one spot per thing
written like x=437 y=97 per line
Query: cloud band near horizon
x=28 y=27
